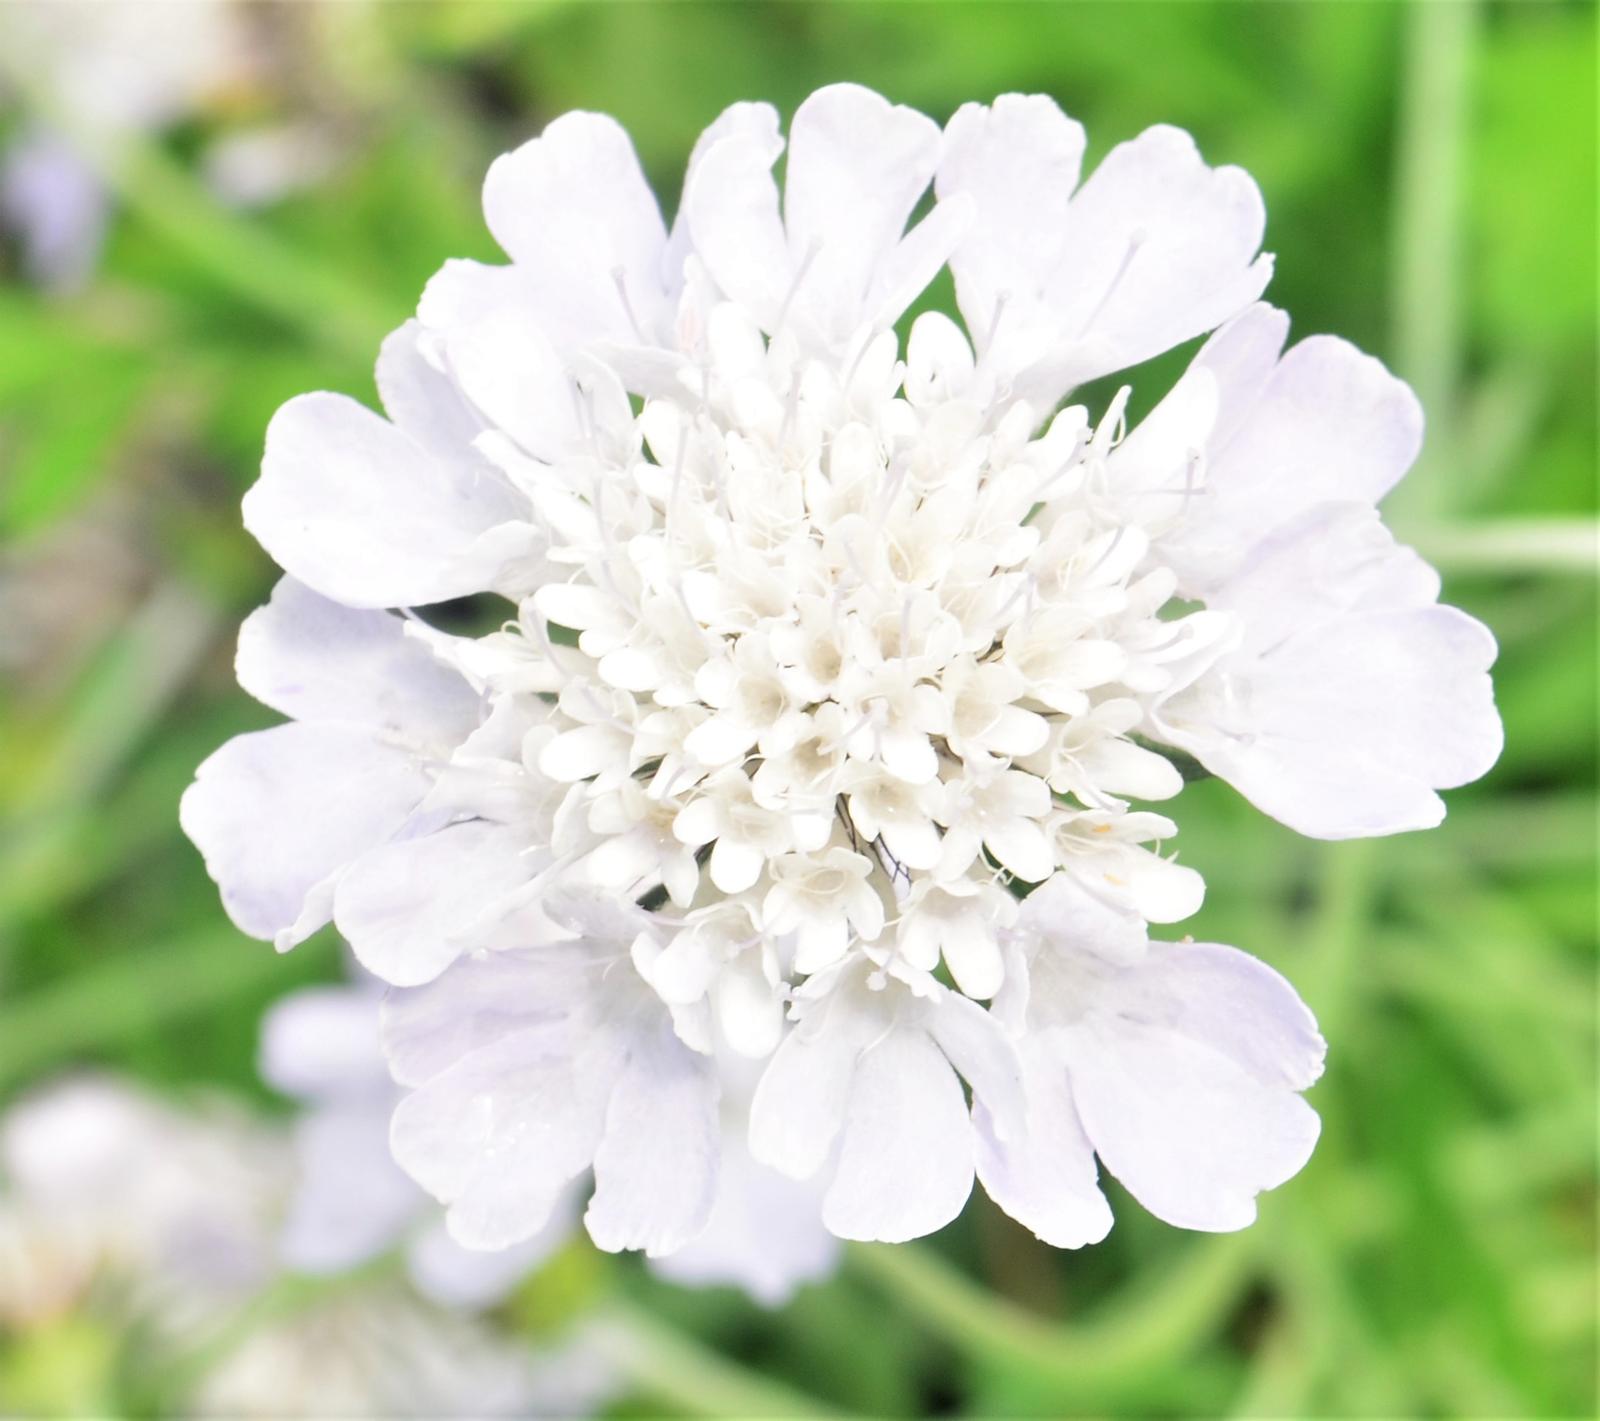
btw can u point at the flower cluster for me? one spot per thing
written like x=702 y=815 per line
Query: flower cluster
x=123 y=1211
x=833 y=672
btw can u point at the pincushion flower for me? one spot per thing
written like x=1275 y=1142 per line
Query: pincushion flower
x=119 y=1207
x=820 y=651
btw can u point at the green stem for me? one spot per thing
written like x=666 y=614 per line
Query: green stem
x=1107 y=1351
x=1345 y=895
x=1427 y=284
x=680 y=1371
x=1514 y=545
x=125 y=995
x=146 y=663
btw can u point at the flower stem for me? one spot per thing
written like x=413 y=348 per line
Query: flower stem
x=1116 y=1345
x=1514 y=545
x=676 y=1369
x=1426 y=251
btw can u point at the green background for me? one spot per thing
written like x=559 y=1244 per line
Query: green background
x=1429 y=174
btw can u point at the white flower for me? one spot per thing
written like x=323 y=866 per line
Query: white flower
x=816 y=652
x=99 y=1180
x=826 y=901
x=381 y=1352
x=721 y=976
x=1102 y=851
x=112 y=1198
x=959 y=921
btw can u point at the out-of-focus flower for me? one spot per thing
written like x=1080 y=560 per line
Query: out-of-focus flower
x=98 y=1181
x=129 y=67
x=164 y=1221
x=819 y=653
x=133 y=67
x=256 y=166
x=380 y=1353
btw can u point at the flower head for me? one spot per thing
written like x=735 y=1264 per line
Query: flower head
x=819 y=652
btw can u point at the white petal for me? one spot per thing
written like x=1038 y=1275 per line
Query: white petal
x=575 y=212
x=410 y=908
x=1019 y=159
x=731 y=205
x=448 y=1274
x=1196 y=229
x=907 y=755
x=974 y=961
x=800 y=1101
x=1162 y=891
x=857 y=166
x=749 y=1011
x=499 y=1135
x=1045 y=1178
x=1018 y=732
x=512 y=373
x=756 y=126
x=734 y=865
x=1185 y=1073
x=1157 y=249
x=481 y=1000
x=906 y=1155
x=1353 y=697
x=1061 y=911
x=683 y=971
x=1151 y=468
x=977 y=1046
x=1021 y=846
x=1241 y=355
x=355 y=509
x=323 y=1041
x=351 y=1201
x=915 y=843
x=581 y=753
x=1329 y=423
x=905 y=273
x=422 y=400
x=1120 y=767
x=1087 y=663
x=655 y=1172
x=316 y=660
x=765 y=1234
x=279 y=813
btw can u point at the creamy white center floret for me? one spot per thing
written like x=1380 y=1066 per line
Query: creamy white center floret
x=850 y=649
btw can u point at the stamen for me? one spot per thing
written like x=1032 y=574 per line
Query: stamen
x=1136 y=239
x=619 y=277
x=801 y=271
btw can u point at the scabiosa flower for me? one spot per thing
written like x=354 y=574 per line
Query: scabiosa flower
x=119 y=1207
x=821 y=651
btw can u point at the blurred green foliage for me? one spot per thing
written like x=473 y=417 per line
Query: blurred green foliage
x=1429 y=173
